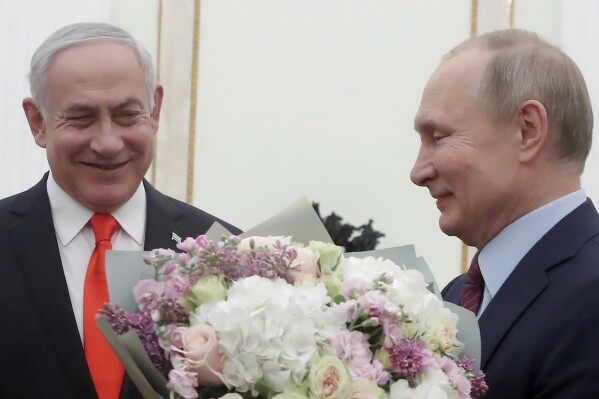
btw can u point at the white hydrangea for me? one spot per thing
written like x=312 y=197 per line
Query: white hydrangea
x=432 y=384
x=429 y=318
x=269 y=329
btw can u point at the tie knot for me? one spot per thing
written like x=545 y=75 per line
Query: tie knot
x=474 y=276
x=104 y=226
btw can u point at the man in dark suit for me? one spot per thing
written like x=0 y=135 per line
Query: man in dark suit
x=95 y=108
x=505 y=124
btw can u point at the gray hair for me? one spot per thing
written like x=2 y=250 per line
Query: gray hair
x=77 y=34
x=525 y=67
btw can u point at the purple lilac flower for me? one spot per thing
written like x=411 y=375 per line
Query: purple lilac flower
x=407 y=357
x=188 y=244
x=467 y=363
x=142 y=323
x=205 y=257
x=117 y=318
x=479 y=386
x=262 y=262
x=158 y=257
x=170 y=311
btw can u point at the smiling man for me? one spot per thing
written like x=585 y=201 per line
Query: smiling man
x=95 y=108
x=506 y=125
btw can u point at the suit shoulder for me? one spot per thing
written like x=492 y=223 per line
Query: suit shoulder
x=13 y=207
x=7 y=215
x=6 y=203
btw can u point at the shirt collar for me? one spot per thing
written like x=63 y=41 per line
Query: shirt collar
x=70 y=216
x=501 y=255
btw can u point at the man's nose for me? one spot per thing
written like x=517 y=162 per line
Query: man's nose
x=107 y=140
x=423 y=169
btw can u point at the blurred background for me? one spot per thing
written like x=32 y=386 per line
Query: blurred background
x=270 y=100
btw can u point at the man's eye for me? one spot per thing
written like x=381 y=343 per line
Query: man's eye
x=128 y=116
x=80 y=119
x=438 y=136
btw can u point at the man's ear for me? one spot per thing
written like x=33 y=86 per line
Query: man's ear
x=36 y=121
x=155 y=116
x=532 y=121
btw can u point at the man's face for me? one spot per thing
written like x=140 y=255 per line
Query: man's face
x=99 y=130
x=466 y=160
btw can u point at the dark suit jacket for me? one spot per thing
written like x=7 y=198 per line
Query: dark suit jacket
x=540 y=333
x=41 y=355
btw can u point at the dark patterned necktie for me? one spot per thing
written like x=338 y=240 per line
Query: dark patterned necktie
x=474 y=286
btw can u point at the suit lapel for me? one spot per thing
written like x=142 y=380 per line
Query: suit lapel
x=160 y=220
x=529 y=278
x=453 y=291
x=36 y=251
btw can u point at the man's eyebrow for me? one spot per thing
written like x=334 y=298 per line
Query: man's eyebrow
x=128 y=102
x=79 y=108
x=424 y=125
x=429 y=125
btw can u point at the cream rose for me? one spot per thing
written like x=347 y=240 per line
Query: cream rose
x=200 y=349
x=304 y=267
x=362 y=389
x=383 y=357
x=332 y=282
x=329 y=379
x=329 y=255
x=290 y=395
x=207 y=289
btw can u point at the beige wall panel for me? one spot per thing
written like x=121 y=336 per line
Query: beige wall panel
x=541 y=16
x=492 y=15
x=175 y=74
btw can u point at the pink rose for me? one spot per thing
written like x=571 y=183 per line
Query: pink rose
x=304 y=267
x=231 y=396
x=200 y=348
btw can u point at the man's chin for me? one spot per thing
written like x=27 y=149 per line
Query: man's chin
x=448 y=226
x=106 y=201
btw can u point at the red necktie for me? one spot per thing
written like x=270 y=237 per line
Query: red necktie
x=104 y=366
x=474 y=286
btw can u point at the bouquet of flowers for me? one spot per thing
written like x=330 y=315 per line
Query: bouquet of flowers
x=266 y=317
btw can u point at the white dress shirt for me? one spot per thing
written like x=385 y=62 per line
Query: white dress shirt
x=76 y=239
x=501 y=255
